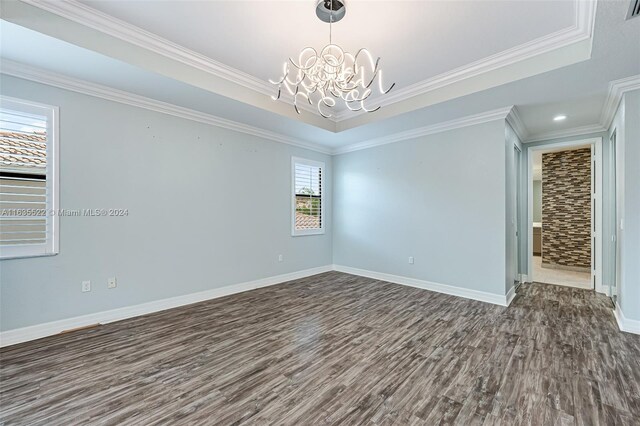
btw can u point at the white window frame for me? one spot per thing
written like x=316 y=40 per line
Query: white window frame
x=51 y=246
x=302 y=232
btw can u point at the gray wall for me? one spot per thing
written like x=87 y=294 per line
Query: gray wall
x=439 y=198
x=629 y=238
x=208 y=208
x=537 y=200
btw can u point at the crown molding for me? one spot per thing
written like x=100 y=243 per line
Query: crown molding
x=511 y=114
x=617 y=89
x=80 y=13
x=107 y=24
x=471 y=120
x=581 y=30
x=38 y=75
x=566 y=133
x=516 y=123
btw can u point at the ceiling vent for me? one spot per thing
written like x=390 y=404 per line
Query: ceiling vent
x=634 y=9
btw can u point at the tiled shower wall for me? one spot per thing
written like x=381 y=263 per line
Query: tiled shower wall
x=566 y=209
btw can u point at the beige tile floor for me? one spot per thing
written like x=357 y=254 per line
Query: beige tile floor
x=560 y=277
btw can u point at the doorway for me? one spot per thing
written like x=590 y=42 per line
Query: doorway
x=565 y=214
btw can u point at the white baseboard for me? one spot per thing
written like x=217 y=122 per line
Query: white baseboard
x=482 y=296
x=19 y=335
x=511 y=295
x=626 y=324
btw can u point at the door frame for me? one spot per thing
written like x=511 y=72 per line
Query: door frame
x=517 y=213
x=614 y=219
x=597 y=143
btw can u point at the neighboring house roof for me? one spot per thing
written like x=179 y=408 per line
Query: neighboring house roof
x=306 y=221
x=23 y=151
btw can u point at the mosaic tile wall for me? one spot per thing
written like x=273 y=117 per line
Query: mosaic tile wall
x=566 y=209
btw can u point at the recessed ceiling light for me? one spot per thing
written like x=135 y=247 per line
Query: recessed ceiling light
x=559 y=117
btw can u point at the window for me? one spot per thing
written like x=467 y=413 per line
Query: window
x=28 y=179
x=308 y=198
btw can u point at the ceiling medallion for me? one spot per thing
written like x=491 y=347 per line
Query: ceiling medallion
x=333 y=75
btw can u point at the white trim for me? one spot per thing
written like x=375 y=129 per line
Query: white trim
x=626 y=324
x=114 y=27
x=566 y=133
x=599 y=199
x=482 y=296
x=617 y=89
x=582 y=29
x=471 y=120
x=511 y=295
x=52 y=245
x=299 y=232
x=107 y=24
x=19 y=335
x=516 y=123
x=26 y=72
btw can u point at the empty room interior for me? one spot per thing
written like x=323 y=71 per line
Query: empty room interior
x=320 y=212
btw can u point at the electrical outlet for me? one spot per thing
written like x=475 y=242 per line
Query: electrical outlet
x=112 y=283
x=86 y=286
x=280 y=258
x=410 y=260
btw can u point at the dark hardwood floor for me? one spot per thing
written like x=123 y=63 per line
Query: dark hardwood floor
x=337 y=349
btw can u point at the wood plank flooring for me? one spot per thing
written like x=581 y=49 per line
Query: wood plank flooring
x=337 y=349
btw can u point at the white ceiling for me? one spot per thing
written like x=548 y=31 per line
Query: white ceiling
x=244 y=29
x=416 y=39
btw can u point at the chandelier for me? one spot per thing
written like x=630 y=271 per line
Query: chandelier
x=333 y=75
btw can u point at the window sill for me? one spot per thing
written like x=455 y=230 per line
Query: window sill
x=25 y=256
x=308 y=232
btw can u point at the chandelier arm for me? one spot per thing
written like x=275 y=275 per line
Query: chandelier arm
x=384 y=92
x=375 y=74
x=286 y=86
x=320 y=110
x=331 y=75
x=294 y=83
x=295 y=100
x=314 y=56
x=348 y=104
x=368 y=110
x=335 y=95
x=368 y=55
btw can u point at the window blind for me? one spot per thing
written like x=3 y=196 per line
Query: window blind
x=26 y=224
x=308 y=196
